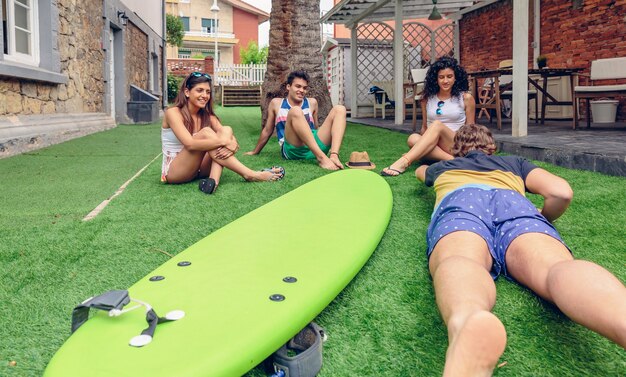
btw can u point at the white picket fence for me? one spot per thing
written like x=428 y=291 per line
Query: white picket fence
x=240 y=74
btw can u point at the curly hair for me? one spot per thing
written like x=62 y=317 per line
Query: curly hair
x=181 y=100
x=431 y=86
x=471 y=137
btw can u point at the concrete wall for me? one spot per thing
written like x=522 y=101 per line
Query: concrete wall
x=152 y=15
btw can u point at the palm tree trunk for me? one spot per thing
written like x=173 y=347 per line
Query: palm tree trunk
x=295 y=44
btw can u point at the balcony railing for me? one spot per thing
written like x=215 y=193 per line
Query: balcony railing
x=209 y=35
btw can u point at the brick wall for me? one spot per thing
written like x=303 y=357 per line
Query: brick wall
x=136 y=47
x=81 y=60
x=183 y=67
x=486 y=36
x=569 y=37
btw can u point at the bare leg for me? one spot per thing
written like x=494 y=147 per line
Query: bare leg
x=189 y=164
x=437 y=135
x=210 y=168
x=465 y=294
x=437 y=153
x=216 y=172
x=248 y=174
x=332 y=131
x=298 y=133
x=584 y=291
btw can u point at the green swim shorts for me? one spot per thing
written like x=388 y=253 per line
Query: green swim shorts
x=303 y=153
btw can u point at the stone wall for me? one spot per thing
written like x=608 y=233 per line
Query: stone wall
x=136 y=47
x=81 y=60
x=570 y=37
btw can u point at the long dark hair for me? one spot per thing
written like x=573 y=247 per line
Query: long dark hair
x=431 y=86
x=181 y=101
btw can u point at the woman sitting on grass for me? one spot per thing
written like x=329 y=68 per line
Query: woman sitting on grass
x=446 y=106
x=196 y=145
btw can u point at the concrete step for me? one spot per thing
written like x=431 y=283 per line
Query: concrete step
x=23 y=133
x=241 y=96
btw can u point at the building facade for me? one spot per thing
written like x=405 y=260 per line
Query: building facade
x=233 y=26
x=69 y=67
x=569 y=34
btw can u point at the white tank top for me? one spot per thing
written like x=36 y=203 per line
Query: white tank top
x=452 y=111
x=169 y=141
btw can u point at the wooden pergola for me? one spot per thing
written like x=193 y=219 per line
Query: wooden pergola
x=352 y=12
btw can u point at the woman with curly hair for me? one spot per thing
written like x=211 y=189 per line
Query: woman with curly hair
x=446 y=106
x=197 y=145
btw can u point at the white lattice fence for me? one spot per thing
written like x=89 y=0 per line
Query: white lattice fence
x=444 y=40
x=240 y=74
x=417 y=44
x=374 y=58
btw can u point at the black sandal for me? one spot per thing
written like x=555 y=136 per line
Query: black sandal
x=207 y=185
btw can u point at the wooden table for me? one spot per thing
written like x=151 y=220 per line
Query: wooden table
x=547 y=99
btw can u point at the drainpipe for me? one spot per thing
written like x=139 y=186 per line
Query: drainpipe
x=164 y=56
x=536 y=31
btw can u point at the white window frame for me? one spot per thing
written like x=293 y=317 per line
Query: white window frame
x=12 y=55
x=334 y=67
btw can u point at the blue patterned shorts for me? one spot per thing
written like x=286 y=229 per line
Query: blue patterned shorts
x=497 y=215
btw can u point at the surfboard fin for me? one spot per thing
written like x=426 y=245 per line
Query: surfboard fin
x=302 y=355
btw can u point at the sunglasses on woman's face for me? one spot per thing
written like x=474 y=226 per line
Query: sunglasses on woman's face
x=439 y=106
x=201 y=74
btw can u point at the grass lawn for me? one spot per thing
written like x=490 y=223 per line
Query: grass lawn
x=385 y=323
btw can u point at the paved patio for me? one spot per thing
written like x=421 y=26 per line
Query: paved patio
x=602 y=148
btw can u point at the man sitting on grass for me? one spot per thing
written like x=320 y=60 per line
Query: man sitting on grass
x=295 y=120
x=483 y=226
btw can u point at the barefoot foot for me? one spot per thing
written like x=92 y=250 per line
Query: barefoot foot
x=328 y=164
x=334 y=157
x=476 y=347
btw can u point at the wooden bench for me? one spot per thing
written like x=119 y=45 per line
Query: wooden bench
x=601 y=69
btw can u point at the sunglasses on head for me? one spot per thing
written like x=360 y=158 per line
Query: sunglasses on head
x=439 y=106
x=201 y=74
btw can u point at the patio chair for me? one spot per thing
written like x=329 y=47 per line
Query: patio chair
x=381 y=100
x=485 y=93
x=506 y=87
x=413 y=93
x=601 y=69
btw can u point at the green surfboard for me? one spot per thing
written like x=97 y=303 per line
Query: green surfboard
x=303 y=248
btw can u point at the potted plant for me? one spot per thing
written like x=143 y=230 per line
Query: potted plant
x=542 y=61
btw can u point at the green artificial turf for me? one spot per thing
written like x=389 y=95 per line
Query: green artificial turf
x=384 y=323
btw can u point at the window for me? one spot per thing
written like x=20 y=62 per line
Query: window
x=29 y=41
x=21 y=36
x=208 y=25
x=333 y=70
x=184 y=54
x=185 y=21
